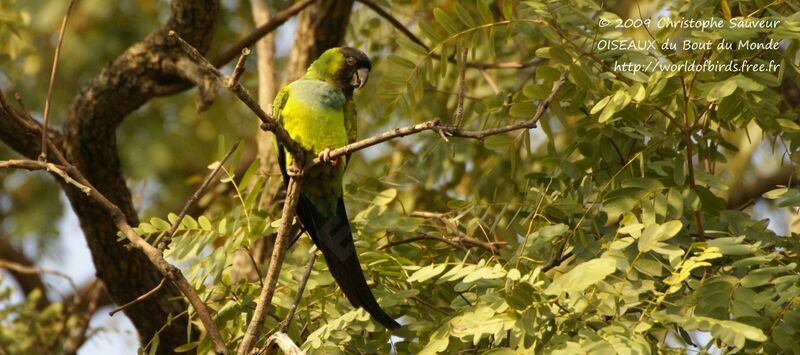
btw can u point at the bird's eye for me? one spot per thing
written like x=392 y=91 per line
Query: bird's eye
x=350 y=61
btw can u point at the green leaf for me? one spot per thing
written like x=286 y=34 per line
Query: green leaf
x=398 y=60
x=485 y=12
x=524 y=109
x=410 y=46
x=653 y=235
x=776 y=193
x=427 y=273
x=445 y=21
x=205 y=224
x=384 y=197
x=186 y=347
x=498 y=143
x=464 y=16
x=582 y=276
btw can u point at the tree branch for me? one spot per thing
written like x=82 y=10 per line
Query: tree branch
x=447 y=130
x=410 y=35
x=48 y=101
x=285 y=343
x=156 y=257
x=34 y=270
x=249 y=40
x=276 y=261
x=267 y=121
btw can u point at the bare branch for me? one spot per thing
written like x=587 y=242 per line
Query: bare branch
x=27 y=282
x=40 y=165
x=80 y=334
x=139 y=299
x=61 y=31
x=34 y=270
x=238 y=69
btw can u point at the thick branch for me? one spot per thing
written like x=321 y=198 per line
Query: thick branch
x=285 y=343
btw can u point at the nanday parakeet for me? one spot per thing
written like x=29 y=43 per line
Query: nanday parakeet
x=318 y=112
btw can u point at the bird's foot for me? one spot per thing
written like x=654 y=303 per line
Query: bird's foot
x=293 y=171
x=325 y=156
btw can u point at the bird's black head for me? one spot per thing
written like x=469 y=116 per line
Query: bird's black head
x=355 y=68
x=345 y=67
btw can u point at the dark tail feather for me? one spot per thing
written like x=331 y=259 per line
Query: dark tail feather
x=334 y=238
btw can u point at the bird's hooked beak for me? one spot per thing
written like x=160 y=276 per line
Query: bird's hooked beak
x=359 y=78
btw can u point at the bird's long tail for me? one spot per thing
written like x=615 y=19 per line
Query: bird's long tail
x=333 y=237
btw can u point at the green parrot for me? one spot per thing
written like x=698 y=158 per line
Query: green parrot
x=319 y=113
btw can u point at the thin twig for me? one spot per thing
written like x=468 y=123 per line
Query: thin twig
x=300 y=288
x=41 y=165
x=462 y=237
x=238 y=69
x=410 y=35
x=429 y=305
x=61 y=31
x=276 y=261
x=164 y=243
x=34 y=270
x=275 y=22
x=80 y=331
x=140 y=298
x=461 y=88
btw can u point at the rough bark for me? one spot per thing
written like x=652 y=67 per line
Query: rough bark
x=90 y=144
x=123 y=86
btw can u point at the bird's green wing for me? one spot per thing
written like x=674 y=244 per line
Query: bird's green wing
x=277 y=109
x=350 y=125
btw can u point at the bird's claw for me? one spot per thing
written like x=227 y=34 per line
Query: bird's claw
x=293 y=172
x=325 y=156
